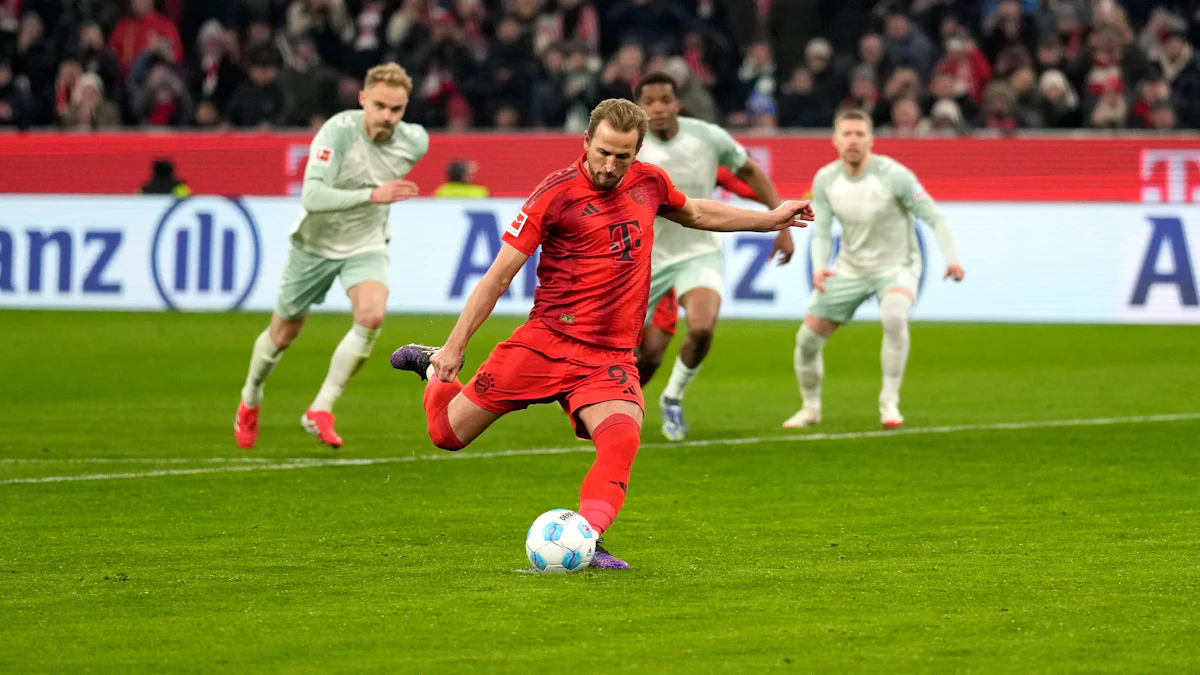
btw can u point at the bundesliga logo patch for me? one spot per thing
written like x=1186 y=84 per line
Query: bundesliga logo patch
x=322 y=155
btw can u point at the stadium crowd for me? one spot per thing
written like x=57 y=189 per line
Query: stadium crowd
x=918 y=66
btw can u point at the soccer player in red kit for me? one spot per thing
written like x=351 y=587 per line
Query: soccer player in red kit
x=594 y=222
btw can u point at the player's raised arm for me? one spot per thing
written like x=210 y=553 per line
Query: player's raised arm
x=714 y=216
x=448 y=360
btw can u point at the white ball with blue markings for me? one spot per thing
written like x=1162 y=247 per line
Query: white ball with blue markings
x=560 y=541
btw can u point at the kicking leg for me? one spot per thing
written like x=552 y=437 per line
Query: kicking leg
x=453 y=420
x=810 y=368
x=702 y=306
x=369 y=301
x=893 y=356
x=268 y=349
x=615 y=428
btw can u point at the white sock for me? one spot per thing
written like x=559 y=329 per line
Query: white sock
x=262 y=362
x=350 y=355
x=893 y=314
x=681 y=377
x=810 y=366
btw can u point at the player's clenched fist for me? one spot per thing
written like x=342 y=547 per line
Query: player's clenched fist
x=955 y=272
x=446 y=363
x=394 y=191
x=819 y=278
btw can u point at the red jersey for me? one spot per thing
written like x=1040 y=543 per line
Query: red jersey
x=595 y=264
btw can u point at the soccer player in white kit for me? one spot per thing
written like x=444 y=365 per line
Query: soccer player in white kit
x=689 y=261
x=876 y=200
x=356 y=169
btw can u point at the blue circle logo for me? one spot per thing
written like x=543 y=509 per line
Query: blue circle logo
x=205 y=254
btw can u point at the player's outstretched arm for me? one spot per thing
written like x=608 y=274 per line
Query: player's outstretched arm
x=714 y=216
x=917 y=201
x=448 y=360
x=764 y=192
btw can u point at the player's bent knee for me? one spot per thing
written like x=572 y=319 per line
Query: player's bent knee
x=443 y=436
x=701 y=336
x=371 y=319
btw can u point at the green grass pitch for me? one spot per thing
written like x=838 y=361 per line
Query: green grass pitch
x=994 y=534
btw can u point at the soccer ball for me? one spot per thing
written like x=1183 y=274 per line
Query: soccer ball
x=560 y=541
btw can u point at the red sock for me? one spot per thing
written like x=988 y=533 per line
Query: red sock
x=438 y=395
x=603 y=491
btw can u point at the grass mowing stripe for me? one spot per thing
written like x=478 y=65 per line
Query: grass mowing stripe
x=854 y=435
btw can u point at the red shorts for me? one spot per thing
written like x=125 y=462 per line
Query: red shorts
x=666 y=315
x=540 y=365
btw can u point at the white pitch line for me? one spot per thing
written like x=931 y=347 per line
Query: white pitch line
x=847 y=436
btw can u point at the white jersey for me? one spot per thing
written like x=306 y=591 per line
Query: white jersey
x=877 y=210
x=344 y=166
x=690 y=159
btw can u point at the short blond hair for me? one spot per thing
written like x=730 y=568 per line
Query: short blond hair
x=853 y=114
x=622 y=115
x=391 y=74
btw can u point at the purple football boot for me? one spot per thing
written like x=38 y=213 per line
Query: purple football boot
x=414 y=358
x=604 y=560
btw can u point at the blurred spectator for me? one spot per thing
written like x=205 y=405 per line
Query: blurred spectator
x=799 y=105
x=946 y=116
x=1049 y=54
x=906 y=118
x=208 y=116
x=864 y=94
x=945 y=87
x=406 y=31
x=89 y=109
x=327 y=22
x=163 y=181
x=870 y=52
x=569 y=20
x=903 y=83
x=1059 y=102
x=1153 y=91
x=792 y=26
x=692 y=95
x=211 y=72
x=446 y=72
x=347 y=93
x=648 y=23
x=310 y=84
x=622 y=73
x=367 y=47
x=1109 y=65
x=95 y=58
x=69 y=72
x=1180 y=67
x=512 y=66
x=828 y=85
x=1069 y=18
x=458 y=115
x=162 y=99
x=1162 y=117
x=1028 y=104
x=1007 y=26
x=141 y=30
x=1110 y=111
x=16 y=106
x=546 y=104
x=258 y=35
x=460 y=182
x=757 y=73
x=507 y=118
x=999 y=108
x=261 y=101
x=34 y=59
x=967 y=65
x=907 y=45
x=762 y=110
x=579 y=87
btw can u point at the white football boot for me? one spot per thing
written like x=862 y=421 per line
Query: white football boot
x=805 y=418
x=889 y=416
